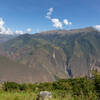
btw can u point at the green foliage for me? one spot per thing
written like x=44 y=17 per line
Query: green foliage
x=10 y=86
x=78 y=88
x=97 y=83
x=23 y=87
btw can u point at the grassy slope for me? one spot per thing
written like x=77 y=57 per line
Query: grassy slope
x=33 y=96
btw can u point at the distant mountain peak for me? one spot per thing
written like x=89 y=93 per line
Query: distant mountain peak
x=87 y=29
x=72 y=31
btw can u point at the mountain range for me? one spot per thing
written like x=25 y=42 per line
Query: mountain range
x=5 y=37
x=50 y=55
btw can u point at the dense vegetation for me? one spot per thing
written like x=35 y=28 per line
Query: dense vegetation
x=64 y=89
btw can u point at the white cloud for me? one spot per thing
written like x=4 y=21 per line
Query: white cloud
x=56 y=23
x=29 y=30
x=70 y=23
x=49 y=13
x=8 y=31
x=19 y=32
x=97 y=27
x=66 y=22
x=3 y=30
x=1 y=22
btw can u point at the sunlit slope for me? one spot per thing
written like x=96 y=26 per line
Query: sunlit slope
x=56 y=54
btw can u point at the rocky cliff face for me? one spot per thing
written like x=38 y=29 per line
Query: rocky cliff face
x=55 y=54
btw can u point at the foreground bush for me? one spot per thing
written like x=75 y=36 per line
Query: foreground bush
x=78 y=88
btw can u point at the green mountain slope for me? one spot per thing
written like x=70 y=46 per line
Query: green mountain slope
x=56 y=54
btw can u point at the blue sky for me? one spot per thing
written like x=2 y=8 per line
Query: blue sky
x=23 y=14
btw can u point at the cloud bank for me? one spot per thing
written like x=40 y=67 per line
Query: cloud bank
x=3 y=30
x=55 y=21
x=8 y=31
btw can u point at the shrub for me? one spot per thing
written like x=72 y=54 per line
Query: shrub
x=10 y=86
